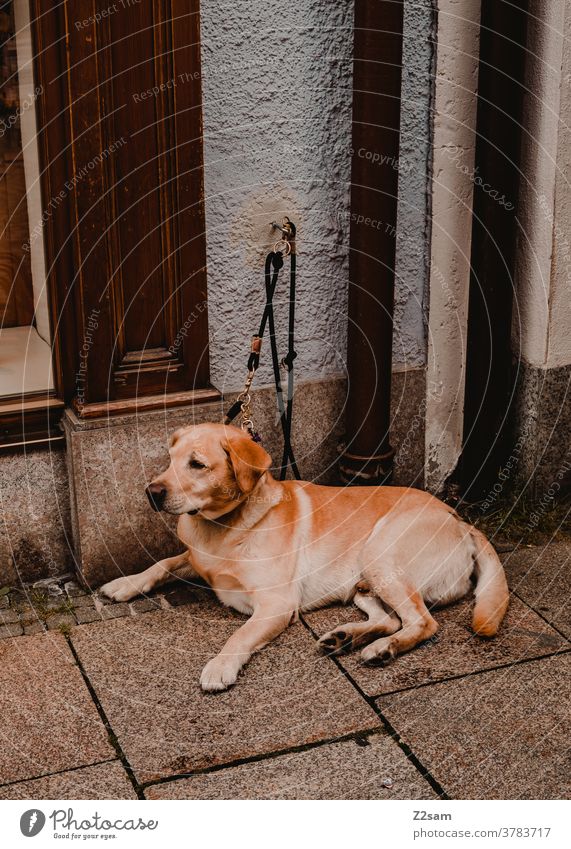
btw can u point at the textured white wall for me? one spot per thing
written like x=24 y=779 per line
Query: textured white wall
x=277 y=141
x=454 y=150
x=542 y=306
x=530 y=331
x=413 y=243
x=277 y=135
x=559 y=345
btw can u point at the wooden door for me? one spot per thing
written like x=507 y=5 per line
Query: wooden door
x=120 y=133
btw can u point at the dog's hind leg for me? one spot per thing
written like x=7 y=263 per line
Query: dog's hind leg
x=352 y=635
x=392 y=567
x=417 y=623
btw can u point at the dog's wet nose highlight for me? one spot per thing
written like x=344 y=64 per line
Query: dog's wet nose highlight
x=156 y=493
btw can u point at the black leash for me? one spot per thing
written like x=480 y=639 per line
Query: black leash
x=273 y=266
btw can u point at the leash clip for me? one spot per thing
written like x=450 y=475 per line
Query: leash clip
x=287 y=229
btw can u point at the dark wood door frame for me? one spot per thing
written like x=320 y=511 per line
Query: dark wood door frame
x=48 y=38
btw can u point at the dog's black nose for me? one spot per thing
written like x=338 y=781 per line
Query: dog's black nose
x=156 y=493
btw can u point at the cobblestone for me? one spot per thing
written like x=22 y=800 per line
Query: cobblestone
x=28 y=615
x=10 y=631
x=87 y=614
x=61 y=621
x=86 y=600
x=45 y=603
x=73 y=589
x=53 y=603
x=7 y=617
x=34 y=628
x=144 y=605
x=115 y=611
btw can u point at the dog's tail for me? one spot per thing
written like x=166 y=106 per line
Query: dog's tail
x=492 y=594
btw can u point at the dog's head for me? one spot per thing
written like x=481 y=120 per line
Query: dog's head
x=213 y=468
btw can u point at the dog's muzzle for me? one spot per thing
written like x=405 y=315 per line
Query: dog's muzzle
x=156 y=495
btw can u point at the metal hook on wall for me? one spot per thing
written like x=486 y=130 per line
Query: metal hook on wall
x=287 y=229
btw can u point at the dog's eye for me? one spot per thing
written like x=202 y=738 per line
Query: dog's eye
x=196 y=464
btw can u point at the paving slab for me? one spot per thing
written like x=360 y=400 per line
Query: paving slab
x=101 y=781
x=495 y=735
x=146 y=669
x=455 y=650
x=49 y=722
x=377 y=768
x=542 y=577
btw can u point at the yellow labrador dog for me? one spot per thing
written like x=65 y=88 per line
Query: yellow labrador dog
x=271 y=549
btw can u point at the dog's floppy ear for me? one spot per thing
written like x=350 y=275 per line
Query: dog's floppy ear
x=249 y=460
x=177 y=434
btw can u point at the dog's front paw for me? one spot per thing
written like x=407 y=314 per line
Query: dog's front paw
x=219 y=674
x=124 y=589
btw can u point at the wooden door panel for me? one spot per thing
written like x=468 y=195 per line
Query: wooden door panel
x=138 y=179
x=135 y=194
x=16 y=292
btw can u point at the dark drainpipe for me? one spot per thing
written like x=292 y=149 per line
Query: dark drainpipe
x=367 y=454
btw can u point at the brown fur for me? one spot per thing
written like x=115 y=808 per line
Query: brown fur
x=273 y=549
